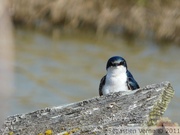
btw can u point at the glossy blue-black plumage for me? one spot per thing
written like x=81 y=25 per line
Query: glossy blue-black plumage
x=116 y=61
x=131 y=82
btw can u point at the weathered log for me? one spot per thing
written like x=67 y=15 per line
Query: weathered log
x=99 y=115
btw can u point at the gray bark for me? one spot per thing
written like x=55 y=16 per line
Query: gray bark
x=99 y=115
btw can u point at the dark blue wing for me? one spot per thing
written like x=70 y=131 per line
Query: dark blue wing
x=102 y=82
x=131 y=82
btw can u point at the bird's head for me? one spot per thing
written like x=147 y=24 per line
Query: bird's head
x=116 y=62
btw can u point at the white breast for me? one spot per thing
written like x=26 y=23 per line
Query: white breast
x=115 y=80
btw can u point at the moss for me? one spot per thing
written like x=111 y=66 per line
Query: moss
x=11 y=133
x=48 y=132
x=161 y=106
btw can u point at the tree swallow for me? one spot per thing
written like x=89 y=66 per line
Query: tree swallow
x=118 y=78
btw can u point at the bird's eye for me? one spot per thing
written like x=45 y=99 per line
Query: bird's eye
x=121 y=63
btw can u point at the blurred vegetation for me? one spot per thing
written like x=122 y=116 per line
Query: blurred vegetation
x=159 y=19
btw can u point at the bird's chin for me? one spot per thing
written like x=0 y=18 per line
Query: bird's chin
x=117 y=70
x=114 y=67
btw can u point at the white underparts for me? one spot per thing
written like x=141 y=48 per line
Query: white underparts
x=116 y=80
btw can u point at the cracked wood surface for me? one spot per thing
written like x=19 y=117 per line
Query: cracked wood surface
x=99 y=115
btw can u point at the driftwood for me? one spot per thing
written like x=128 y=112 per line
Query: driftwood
x=99 y=115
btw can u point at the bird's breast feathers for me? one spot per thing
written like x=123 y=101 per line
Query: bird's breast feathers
x=115 y=84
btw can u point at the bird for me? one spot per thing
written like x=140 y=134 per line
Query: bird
x=118 y=77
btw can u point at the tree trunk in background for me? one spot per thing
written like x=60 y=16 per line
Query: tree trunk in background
x=6 y=59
